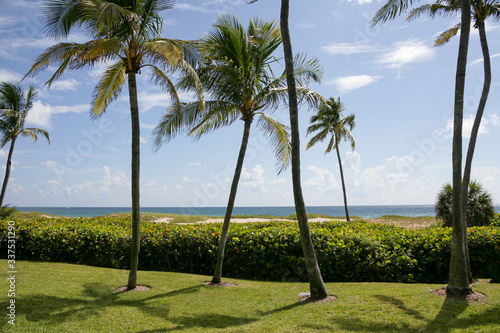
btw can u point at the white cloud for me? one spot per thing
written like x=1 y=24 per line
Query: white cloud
x=49 y=164
x=253 y=179
x=148 y=126
x=115 y=187
x=480 y=60
x=7 y=75
x=306 y=25
x=323 y=180
x=348 y=83
x=406 y=52
x=194 y=164
x=65 y=85
x=186 y=179
x=348 y=48
x=41 y=114
x=399 y=180
x=487 y=123
x=359 y=2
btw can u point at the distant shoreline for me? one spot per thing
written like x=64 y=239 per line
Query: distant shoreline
x=334 y=211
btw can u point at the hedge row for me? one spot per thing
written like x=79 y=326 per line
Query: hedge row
x=355 y=251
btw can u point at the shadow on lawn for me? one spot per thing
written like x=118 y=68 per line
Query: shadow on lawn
x=448 y=319
x=56 y=310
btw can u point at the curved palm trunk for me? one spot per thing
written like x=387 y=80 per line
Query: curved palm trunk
x=136 y=220
x=316 y=284
x=458 y=278
x=343 y=184
x=475 y=131
x=7 y=171
x=230 y=204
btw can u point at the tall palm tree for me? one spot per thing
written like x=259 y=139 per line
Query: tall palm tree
x=128 y=34
x=330 y=121
x=316 y=284
x=235 y=69
x=15 y=104
x=459 y=282
x=480 y=11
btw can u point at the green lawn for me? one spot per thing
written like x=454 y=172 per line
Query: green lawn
x=52 y=297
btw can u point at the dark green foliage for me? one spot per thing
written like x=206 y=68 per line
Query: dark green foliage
x=7 y=211
x=480 y=209
x=355 y=251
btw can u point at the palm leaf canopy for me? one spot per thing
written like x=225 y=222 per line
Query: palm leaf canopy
x=125 y=33
x=330 y=122
x=237 y=70
x=480 y=11
x=14 y=106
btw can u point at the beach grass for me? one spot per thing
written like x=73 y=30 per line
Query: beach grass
x=55 y=297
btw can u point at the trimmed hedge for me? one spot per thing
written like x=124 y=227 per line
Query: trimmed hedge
x=356 y=251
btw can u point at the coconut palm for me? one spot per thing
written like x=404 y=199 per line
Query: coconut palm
x=316 y=284
x=459 y=280
x=235 y=69
x=15 y=103
x=126 y=37
x=480 y=10
x=480 y=209
x=330 y=121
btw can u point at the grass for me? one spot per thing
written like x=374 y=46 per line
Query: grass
x=53 y=297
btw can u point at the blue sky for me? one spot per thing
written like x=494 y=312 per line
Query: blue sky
x=399 y=86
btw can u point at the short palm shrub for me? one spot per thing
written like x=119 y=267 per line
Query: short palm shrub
x=480 y=209
x=7 y=211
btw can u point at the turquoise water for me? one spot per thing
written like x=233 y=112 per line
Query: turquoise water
x=361 y=211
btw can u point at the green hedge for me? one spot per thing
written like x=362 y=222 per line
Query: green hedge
x=354 y=251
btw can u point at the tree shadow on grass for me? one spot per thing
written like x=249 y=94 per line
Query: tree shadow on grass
x=56 y=310
x=448 y=319
x=207 y=321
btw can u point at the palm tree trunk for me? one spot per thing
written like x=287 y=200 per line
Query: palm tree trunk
x=136 y=219
x=475 y=130
x=458 y=278
x=316 y=284
x=7 y=171
x=230 y=204
x=343 y=183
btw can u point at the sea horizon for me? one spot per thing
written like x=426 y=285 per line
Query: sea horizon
x=364 y=211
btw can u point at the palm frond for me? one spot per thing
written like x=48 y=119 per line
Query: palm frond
x=279 y=136
x=179 y=119
x=59 y=16
x=160 y=78
x=307 y=70
x=447 y=35
x=108 y=17
x=103 y=49
x=34 y=132
x=319 y=137
x=390 y=10
x=108 y=88
x=432 y=10
x=217 y=114
x=163 y=51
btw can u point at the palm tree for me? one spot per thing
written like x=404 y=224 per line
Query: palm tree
x=316 y=284
x=480 y=10
x=459 y=281
x=235 y=69
x=15 y=104
x=127 y=32
x=330 y=121
x=479 y=210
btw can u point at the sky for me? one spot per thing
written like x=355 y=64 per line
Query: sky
x=399 y=86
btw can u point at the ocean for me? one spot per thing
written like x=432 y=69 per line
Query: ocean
x=360 y=211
